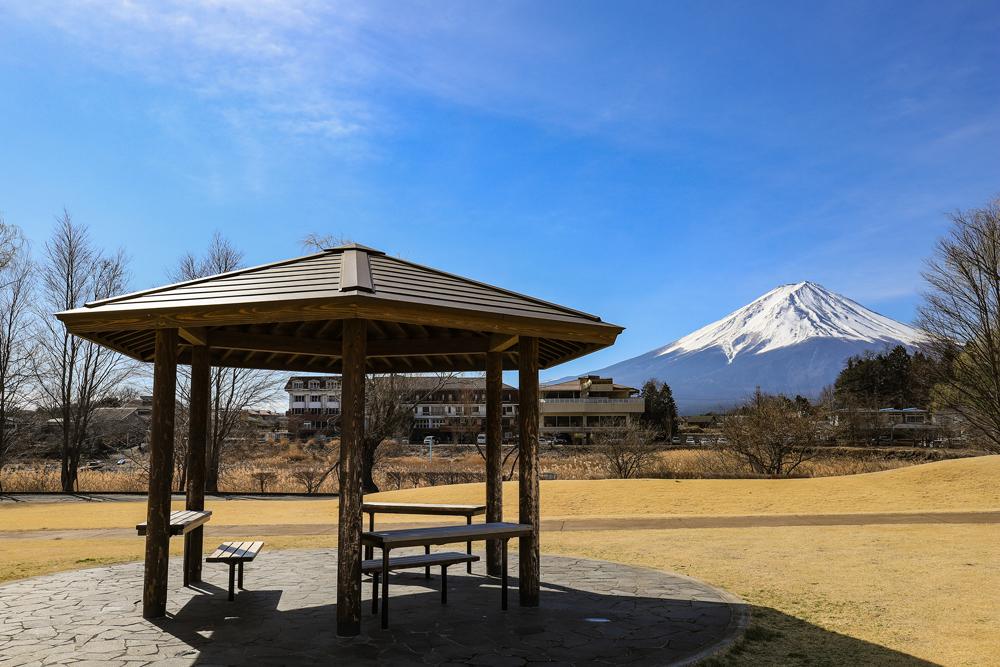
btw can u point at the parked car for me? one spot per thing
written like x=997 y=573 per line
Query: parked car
x=676 y=440
x=546 y=441
x=560 y=440
x=481 y=439
x=689 y=440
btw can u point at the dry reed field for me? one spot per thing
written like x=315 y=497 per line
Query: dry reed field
x=286 y=467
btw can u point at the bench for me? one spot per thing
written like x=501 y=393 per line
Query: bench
x=188 y=523
x=444 y=559
x=235 y=554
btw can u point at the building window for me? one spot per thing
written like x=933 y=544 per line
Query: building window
x=298 y=398
x=296 y=411
x=315 y=399
x=296 y=385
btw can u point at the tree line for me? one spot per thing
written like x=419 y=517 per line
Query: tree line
x=52 y=379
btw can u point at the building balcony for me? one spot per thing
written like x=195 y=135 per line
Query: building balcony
x=591 y=406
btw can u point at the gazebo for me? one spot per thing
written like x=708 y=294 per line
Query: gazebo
x=350 y=310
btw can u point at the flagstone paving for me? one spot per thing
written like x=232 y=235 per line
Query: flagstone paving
x=591 y=612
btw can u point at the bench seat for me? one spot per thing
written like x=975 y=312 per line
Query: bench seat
x=443 y=558
x=235 y=554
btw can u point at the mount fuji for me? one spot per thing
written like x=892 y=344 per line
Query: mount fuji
x=793 y=340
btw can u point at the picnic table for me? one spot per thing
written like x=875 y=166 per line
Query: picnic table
x=433 y=509
x=387 y=540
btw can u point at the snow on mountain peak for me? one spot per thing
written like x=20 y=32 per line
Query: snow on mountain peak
x=791 y=314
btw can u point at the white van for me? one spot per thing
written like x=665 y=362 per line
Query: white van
x=481 y=439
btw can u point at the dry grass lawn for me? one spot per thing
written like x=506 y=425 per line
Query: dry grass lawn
x=955 y=485
x=848 y=595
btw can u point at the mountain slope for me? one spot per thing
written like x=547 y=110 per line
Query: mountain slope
x=794 y=340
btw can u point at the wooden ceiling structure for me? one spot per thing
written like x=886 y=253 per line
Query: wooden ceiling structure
x=351 y=310
x=288 y=316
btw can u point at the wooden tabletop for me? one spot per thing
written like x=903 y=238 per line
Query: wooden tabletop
x=412 y=537
x=181 y=522
x=424 y=508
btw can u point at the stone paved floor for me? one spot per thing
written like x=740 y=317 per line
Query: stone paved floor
x=591 y=612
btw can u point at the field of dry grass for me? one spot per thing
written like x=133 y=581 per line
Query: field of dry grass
x=284 y=465
x=845 y=595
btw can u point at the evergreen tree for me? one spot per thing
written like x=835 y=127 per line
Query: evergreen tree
x=661 y=409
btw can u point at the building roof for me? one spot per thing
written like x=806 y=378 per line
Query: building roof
x=574 y=385
x=288 y=316
x=306 y=378
x=425 y=383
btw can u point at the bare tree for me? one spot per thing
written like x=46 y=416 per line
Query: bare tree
x=312 y=477
x=74 y=375
x=628 y=449
x=770 y=435
x=390 y=400
x=320 y=242
x=15 y=339
x=234 y=390
x=961 y=313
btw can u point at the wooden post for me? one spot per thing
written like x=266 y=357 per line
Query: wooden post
x=527 y=419
x=161 y=469
x=494 y=441
x=352 y=429
x=198 y=416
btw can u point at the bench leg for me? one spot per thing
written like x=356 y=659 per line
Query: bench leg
x=468 y=546
x=187 y=559
x=374 y=593
x=240 y=577
x=385 y=588
x=427 y=570
x=232 y=580
x=370 y=550
x=444 y=584
x=503 y=576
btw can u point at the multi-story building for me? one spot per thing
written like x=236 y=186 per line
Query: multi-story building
x=454 y=410
x=313 y=405
x=577 y=409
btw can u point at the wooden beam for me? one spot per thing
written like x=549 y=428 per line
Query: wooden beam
x=234 y=340
x=502 y=342
x=161 y=468
x=528 y=512
x=194 y=335
x=352 y=429
x=494 y=441
x=403 y=347
x=198 y=416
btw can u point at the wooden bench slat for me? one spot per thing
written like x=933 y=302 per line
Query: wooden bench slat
x=235 y=551
x=438 y=509
x=420 y=560
x=181 y=522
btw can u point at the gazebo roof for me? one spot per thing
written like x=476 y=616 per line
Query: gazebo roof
x=287 y=316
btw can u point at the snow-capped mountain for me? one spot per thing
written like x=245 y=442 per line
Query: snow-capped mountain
x=794 y=340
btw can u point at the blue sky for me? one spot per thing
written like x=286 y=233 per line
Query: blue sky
x=659 y=164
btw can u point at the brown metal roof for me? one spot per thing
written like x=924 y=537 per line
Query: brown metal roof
x=287 y=315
